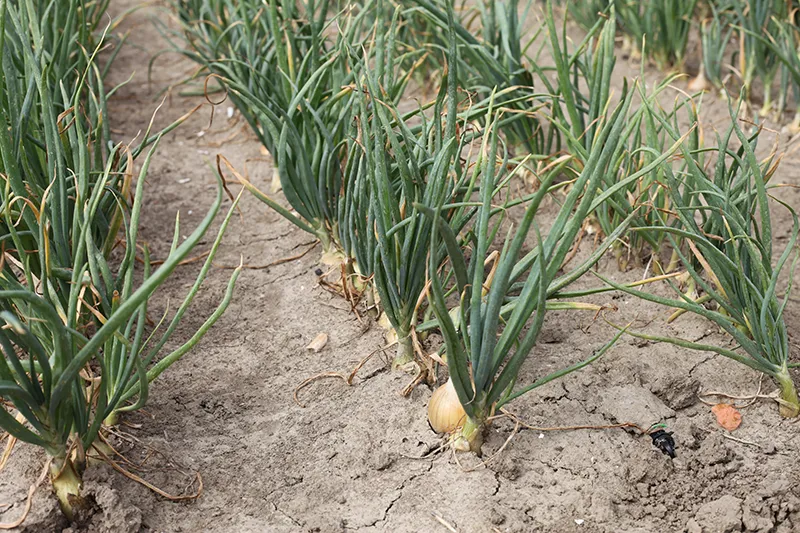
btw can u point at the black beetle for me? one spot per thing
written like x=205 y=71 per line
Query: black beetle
x=663 y=441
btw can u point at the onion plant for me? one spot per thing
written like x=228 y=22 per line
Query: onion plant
x=586 y=13
x=784 y=44
x=46 y=71
x=664 y=26
x=787 y=38
x=767 y=47
x=715 y=35
x=72 y=320
x=276 y=62
x=484 y=356
x=415 y=33
x=644 y=198
x=397 y=166
x=390 y=72
x=286 y=68
x=724 y=219
x=583 y=80
x=57 y=141
x=65 y=375
x=497 y=59
x=590 y=69
x=757 y=18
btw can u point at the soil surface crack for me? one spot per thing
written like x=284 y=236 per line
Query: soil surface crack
x=287 y=515
x=399 y=495
x=705 y=359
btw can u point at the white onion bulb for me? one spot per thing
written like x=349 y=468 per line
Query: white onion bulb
x=444 y=410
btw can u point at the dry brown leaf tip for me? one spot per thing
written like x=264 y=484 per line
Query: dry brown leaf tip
x=727 y=416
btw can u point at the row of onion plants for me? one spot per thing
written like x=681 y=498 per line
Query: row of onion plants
x=417 y=200
x=741 y=42
x=75 y=276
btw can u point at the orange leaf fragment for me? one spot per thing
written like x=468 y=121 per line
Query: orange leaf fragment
x=727 y=416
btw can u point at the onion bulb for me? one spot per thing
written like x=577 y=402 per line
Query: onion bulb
x=276 y=186
x=444 y=410
x=700 y=83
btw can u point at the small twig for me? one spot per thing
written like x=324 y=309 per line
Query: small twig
x=332 y=288
x=130 y=475
x=421 y=376
x=141 y=466
x=758 y=392
x=277 y=262
x=365 y=359
x=351 y=298
x=647 y=270
x=751 y=398
x=12 y=441
x=347 y=379
x=425 y=364
x=313 y=379
x=151 y=451
x=741 y=441
x=570 y=428
x=442 y=521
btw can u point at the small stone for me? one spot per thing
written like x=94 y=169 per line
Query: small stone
x=769 y=448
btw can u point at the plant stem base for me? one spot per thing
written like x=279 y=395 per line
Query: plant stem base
x=332 y=258
x=67 y=486
x=790 y=404
x=405 y=351
x=470 y=437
